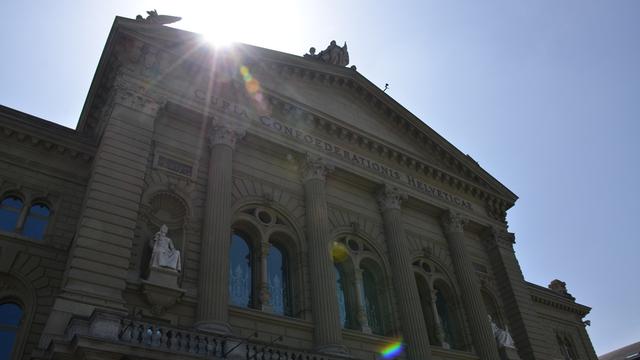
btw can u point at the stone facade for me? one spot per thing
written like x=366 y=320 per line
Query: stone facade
x=352 y=223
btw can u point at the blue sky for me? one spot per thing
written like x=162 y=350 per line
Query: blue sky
x=545 y=95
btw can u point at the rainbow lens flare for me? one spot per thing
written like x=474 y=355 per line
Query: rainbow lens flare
x=392 y=350
x=253 y=88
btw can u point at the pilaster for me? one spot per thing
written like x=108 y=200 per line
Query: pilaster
x=414 y=329
x=89 y=281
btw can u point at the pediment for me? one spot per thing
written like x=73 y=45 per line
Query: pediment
x=339 y=97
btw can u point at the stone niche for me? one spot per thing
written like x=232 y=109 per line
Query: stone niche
x=162 y=244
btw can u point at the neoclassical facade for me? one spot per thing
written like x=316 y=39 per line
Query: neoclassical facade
x=243 y=203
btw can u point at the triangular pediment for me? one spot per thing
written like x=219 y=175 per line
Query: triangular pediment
x=340 y=96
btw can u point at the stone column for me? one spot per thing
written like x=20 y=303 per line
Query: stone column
x=213 y=292
x=414 y=329
x=324 y=297
x=264 y=292
x=361 y=300
x=483 y=340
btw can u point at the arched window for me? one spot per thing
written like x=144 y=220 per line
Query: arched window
x=10 y=209
x=262 y=275
x=360 y=284
x=278 y=280
x=427 y=304
x=36 y=222
x=448 y=315
x=567 y=349
x=10 y=319
x=240 y=272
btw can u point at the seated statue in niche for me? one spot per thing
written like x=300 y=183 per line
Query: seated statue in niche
x=503 y=337
x=164 y=254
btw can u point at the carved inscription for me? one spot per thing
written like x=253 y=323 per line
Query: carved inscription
x=363 y=162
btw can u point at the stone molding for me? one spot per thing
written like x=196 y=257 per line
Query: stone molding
x=390 y=197
x=222 y=133
x=494 y=236
x=453 y=222
x=315 y=168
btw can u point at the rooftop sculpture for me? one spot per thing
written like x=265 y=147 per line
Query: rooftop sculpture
x=154 y=18
x=333 y=54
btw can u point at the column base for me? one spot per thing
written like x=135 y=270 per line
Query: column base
x=213 y=327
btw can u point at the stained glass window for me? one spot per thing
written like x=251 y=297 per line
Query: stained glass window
x=36 y=222
x=10 y=318
x=240 y=276
x=10 y=212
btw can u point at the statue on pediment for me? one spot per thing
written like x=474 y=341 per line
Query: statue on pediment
x=333 y=54
x=560 y=287
x=154 y=18
x=164 y=254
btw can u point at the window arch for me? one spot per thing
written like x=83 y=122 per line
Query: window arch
x=439 y=306
x=10 y=210
x=11 y=316
x=567 y=349
x=264 y=241
x=363 y=297
x=35 y=224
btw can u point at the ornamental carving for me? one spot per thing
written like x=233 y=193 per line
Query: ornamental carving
x=132 y=95
x=453 y=222
x=495 y=236
x=315 y=168
x=225 y=134
x=390 y=197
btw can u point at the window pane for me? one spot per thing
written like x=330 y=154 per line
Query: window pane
x=10 y=316
x=277 y=280
x=372 y=303
x=446 y=320
x=342 y=306
x=240 y=279
x=36 y=223
x=9 y=213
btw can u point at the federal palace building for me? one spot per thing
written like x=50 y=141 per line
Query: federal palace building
x=243 y=203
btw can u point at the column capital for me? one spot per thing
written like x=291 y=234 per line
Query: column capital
x=315 y=168
x=390 y=197
x=225 y=133
x=453 y=221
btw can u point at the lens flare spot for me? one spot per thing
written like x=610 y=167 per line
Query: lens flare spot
x=339 y=252
x=252 y=86
x=392 y=350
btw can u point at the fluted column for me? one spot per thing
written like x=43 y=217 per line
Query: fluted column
x=327 y=329
x=213 y=293
x=483 y=340
x=414 y=329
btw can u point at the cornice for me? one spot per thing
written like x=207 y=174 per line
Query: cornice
x=454 y=161
x=547 y=297
x=496 y=205
x=45 y=135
